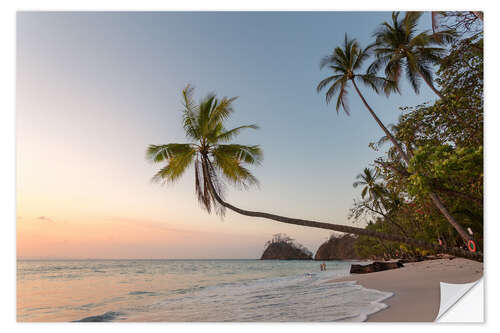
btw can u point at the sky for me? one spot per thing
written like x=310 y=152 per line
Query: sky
x=93 y=90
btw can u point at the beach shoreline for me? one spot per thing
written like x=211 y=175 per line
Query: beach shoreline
x=415 y=287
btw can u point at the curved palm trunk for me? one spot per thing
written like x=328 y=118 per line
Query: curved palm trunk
x=335 y=227
x=434 y=197
x=386 y=131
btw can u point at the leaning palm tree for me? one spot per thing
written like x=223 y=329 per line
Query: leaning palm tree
x=217 y=162
x=346 y=62
x=399 y=47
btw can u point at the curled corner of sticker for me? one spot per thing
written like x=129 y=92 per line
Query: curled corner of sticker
x=452 y=293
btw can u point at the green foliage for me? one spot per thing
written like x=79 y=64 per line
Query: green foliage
x=461 y=169
x=215 y=159
x=345 y=62
x=444 y=142
x=398 y=47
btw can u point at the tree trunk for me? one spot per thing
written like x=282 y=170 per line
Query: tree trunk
x=435 y=199
x=336 y=227
x=386 y=131
x=438 y=203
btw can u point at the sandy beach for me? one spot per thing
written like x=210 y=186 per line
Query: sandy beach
x=416 y=287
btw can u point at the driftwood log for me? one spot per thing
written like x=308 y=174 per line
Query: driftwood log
x=377 y=266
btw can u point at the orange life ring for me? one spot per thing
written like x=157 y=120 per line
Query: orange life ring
x=471 y=245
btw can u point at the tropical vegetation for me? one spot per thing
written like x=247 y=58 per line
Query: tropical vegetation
x=425 y=191
x=444 y=143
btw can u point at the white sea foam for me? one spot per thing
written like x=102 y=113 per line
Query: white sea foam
x=301 y=298
x=191 y=290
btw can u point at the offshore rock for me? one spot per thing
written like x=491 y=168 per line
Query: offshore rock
x=283 y=248
x=338 y=248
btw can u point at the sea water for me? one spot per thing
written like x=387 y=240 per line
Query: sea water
x=190 y=290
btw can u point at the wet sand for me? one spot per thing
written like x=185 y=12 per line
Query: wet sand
x=416 y=287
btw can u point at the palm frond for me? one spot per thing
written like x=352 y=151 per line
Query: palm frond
x=393 y=67
x=326 y=81
x=231 y=134
x=384 y=139
x=221 y=110
x=232 y=169
x=205 y=108
x=160 y=153
x=326 y=60
x=363 y=192
x=380 y=61
x=361 y=56
x=175 y=167
x=410 y=22
x=426 y=72
x=411 y=70
x=423 y=39
x=200 y=186
x=240 y=153
x=190 y=113
x=445 y=36
x=342 y=98
x=372 y=81
x=218 y=185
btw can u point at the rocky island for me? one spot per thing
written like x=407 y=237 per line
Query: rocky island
x=282 y=247
x=338 y=247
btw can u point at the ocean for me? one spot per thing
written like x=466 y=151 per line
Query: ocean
x=190 y=291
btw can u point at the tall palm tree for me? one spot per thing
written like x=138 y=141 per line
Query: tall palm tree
x=345 y=62
x=216 y=162
x=399 y=47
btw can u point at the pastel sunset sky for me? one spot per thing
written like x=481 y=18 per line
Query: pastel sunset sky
x=94 y=89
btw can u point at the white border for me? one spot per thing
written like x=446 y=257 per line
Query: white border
x=7 y=168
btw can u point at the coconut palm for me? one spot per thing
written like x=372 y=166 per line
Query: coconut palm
x=398 y=47
x=377 y=199
x=217 y=162
x=213 y=157
x=345 y=63
x=368 y=179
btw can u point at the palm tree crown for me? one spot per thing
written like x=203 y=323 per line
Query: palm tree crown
x=368 y=179
x=399 y=47
x=345 y=62
x=215 y=159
